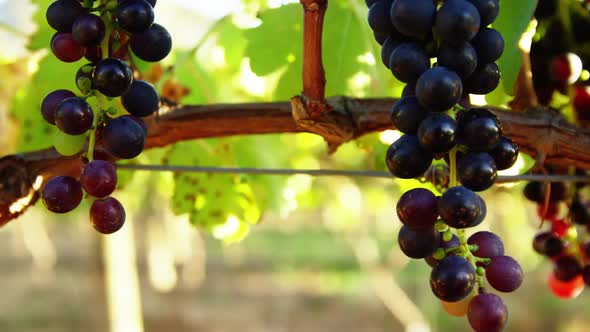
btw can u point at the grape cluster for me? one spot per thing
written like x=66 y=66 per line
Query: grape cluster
x=567 y=214
x=444 y=51
x=108 y=33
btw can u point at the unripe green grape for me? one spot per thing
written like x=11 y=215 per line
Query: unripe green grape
x=68 y=145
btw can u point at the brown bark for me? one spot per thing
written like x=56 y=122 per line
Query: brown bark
x=536 y=132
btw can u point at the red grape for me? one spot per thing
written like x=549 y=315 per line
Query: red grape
x=66 y=48
x=61 y=194
x=107 y=215
x=99 y=178
x=487 y=313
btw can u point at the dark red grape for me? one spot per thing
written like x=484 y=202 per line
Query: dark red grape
x=66 y=49
x=582 y=103
x=548 y=244
x=124 y=138
x=460 y=207
x=417 y=208
x=99 y=178
x=413 y=18
x=462 y=59
x=107 y=215
x=141 y=99
x=406 y=159
x=452 y=279
x=488 y=244
x=61 y=14
x=535 y=191
x=487 y=313
x=152 y=45
x=477 y=171
x=437 y=133
x=112 y=77
x=418 y=243
x=407 y=114
x=479 y=129
x=457 y=21
x=74 y=116
x=93 y=54
x=504 y=274
x=567 y=268
x=61 y=194
x=579 y=213
x=88 y=30
x=134 y=16
x=505 y=153
x=50 y=102
x=439 y=89
x=408 y=61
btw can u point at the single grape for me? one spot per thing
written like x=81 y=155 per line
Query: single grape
x=567 y=268
x=417 y=208
x=460 y=207
x=141 y=99
x=84 y=78
x=413 y=18
x=457 y=309
x=504 y=274
x=378 y=17
x=61 y=194
x=409 y=90
x=488 y=10
x=484 y=79
x=560 y=227
x=439 y=89
x=477 y=171
x=99 y=178
x=134 y=16
x=457 y=21
x=68 y=145
x=452 y=279
x=462 y=58
x=152 y=45
x=408 y=61
x=579 y=213
x=406 y=159
x=88 y=30
x=124 y=138
x=487 y=313
x=566 y=289
x=50 y=102
x=582 y=103
x=74 y=116
x=535 y=191
x=112 y=77
x=407 y=114
x=418 y=243
x=479 y=129
x=66 y=49
x=61 y=14
x=107 y=215
x=437 y=133
x=93 y=54
x=488 y=244
x=548 y=244
x=379 y=37
x=488 y=44
x=505 y=153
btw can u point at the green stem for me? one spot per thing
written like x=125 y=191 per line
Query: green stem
x=88 y=3
x=453 y=167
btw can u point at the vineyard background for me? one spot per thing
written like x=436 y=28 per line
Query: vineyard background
x=322 y=256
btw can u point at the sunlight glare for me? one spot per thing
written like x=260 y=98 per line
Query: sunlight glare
x=389 y=136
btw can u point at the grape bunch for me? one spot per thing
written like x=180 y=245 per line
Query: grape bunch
x=444 y=51
x=567 y=214
x=108 y=34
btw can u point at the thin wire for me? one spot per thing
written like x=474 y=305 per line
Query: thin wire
x=330 y=172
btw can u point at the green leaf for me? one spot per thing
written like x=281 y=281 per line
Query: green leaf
x=512 y=22
x=42 y=38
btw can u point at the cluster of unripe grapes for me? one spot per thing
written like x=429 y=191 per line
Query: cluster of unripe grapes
x=566 y=241
x=106 y=33
x=444 y=51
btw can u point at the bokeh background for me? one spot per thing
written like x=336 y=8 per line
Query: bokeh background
x=288 y=253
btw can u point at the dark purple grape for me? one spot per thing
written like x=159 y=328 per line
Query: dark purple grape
x=479 y=129
x=462 y=59
x=124 y=138
x=380 y=38
x=439 y=89
x=488 y=10
x=153 y=2
x=139 y=121
x=107 y=215
x=93 y=54
x=61 y=194
x=505 y=153
x=407 y=114
x=65 y=48
x=452 y=243
x=504 y=274
x=567 y=268
x=487 y=313
x=457 y=21
x=460 y=207
x=406 y=159
x=484 y=79
x=378 y=17
x=410 y=90
x=488 y=244
x=61 y=14
x=417 y=208
x=437 y=133
x=548 y=244
x=99 y=178
x=369 y=3
x=413 y=18
x=112 y=77
x=141 y=99
x=389 y=45
x=50 y=102
x=408 y=61
x=418 y=243
x=134 y=16
x=477 y=171
x=586 y=275
x=535 y=191
x=88 y=30
x=84 y=78
x=74 y=116
x=452 y=279
x=152 y=45
x=579 y=213
x=489 y=45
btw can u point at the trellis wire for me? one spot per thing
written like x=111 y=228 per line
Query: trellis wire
x=331 y=172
